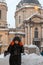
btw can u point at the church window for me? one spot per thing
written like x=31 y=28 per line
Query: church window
x=0 y=14
x=36 y=33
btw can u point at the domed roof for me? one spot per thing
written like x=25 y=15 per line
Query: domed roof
x=28 y=2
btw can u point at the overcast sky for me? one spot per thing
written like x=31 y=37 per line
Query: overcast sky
x=11 y=11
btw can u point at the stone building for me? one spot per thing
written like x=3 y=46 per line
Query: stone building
x=29 y=20
x=29 y=24
x=5 y=32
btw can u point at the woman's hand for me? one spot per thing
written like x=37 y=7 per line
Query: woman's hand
x=6 y=53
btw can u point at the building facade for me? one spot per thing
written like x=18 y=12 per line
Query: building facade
x=29 y=20
x=5 y=33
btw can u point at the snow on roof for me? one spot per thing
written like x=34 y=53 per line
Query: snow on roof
x=16 y=33
x=31 y=6
x=3 y=44
x=4 y=29
x=26 y=7
x=11 y=32
x=32 y=15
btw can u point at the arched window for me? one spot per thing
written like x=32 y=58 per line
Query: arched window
x=36 y=33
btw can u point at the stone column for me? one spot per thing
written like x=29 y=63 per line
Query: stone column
x=26 y=35
x=23 y=40
x=31 y=26
x=42 y=34
x=42 y=39
x=29 y=34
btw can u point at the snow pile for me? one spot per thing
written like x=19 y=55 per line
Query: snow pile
x=35 y=47
x=2 y=56
x=25 y=45
x=31 y=49
x=32 y=46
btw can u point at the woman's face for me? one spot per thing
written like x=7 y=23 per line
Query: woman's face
x=16 y=42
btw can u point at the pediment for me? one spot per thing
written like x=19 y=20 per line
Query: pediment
x=36 y=19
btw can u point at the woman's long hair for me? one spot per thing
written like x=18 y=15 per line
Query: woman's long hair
x=18 y=39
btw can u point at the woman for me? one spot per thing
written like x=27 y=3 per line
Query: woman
x=15 y=49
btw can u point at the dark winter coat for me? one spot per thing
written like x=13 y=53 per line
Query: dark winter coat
x=15 y=54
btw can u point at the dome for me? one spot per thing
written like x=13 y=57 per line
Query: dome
x=28 y=2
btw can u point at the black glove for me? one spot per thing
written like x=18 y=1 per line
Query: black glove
x=23 y=53
x=5 y=53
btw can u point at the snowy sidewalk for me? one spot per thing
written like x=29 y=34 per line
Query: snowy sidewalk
x=31 y=59
x=4 y=60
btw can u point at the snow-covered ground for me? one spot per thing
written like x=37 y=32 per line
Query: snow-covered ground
x=4 y=60
x=31 y=59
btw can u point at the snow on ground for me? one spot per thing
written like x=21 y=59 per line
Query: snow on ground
x=4 y=60
x=31 y=59
x=2 y=56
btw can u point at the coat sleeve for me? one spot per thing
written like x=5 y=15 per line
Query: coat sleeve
x=22 y=49
x=8 y=50
x=10 y=47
